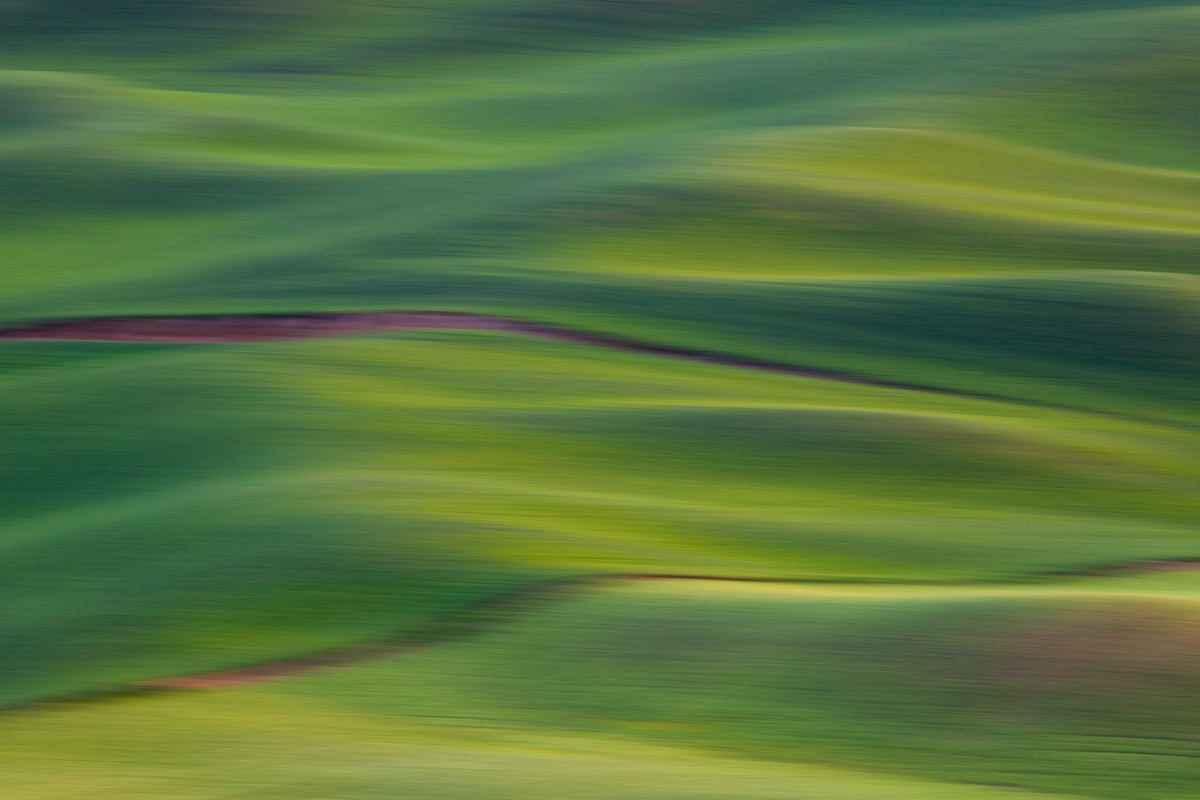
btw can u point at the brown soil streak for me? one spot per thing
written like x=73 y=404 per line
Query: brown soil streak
x=520 y=597
x=232 y=328
x=265 y=328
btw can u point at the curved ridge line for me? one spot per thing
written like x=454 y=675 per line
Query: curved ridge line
x=247 y=328
x=467 y=620
x=462 y=624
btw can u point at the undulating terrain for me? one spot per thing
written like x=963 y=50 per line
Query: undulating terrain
x=657 y=399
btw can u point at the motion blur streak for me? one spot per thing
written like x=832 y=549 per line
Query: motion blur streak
x=670 y=399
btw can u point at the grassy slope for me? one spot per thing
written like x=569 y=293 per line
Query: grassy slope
x=1077 y=689
x=251 y=744
x=612 y=187
x=994 y=197
x=666 y=689
x=279 y=498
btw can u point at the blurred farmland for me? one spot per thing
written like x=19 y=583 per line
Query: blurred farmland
x=978 y=221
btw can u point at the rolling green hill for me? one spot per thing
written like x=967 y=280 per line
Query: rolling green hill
x=968 y=228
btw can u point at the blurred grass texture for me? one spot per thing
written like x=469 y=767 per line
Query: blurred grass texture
x=583 y=571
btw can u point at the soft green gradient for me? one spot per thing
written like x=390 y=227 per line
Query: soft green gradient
x=1000 y=198
x=1080 y=689
x=700 y=689
x=241 y=502
x=254 y=744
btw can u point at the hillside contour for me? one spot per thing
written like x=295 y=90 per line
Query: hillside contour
x=606 y=399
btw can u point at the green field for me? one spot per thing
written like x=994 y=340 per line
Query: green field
x=977 y=584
